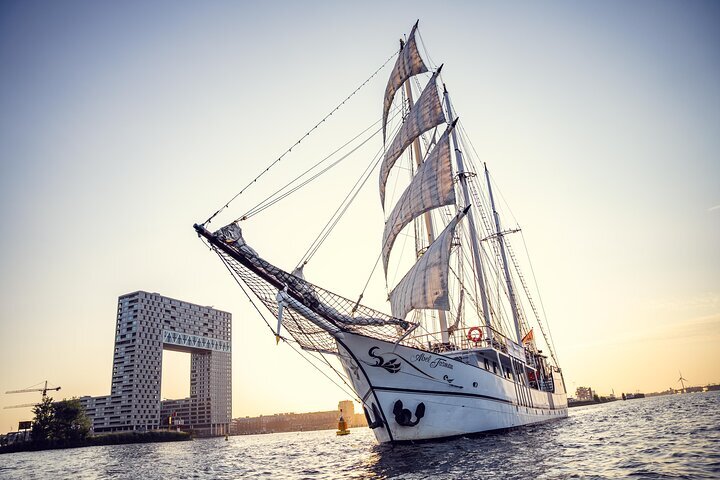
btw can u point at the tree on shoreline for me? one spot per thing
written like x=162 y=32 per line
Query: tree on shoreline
x=70 y=421
x=59 y=421
x=42 y=423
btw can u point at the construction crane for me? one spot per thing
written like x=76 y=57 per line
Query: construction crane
x=44 y=391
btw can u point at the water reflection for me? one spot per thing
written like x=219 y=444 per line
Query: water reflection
x=518 y=453
x=676 y=437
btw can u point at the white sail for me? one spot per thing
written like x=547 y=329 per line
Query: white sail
x=432 y=187
x=425 y=114
x=408 y=64
x=425 y=285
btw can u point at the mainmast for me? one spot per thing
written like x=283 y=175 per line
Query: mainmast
x=442 y=317
x=501 y=241
x=462 y=175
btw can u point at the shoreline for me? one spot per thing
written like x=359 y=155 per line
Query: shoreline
x=120 y=438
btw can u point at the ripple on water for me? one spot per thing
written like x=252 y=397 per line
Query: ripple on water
x=662 y=437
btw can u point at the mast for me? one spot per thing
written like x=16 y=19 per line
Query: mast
x=501 y=241
x=462 y=175
x=442 y=318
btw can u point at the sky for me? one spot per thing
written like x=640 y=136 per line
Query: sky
x=122 y=124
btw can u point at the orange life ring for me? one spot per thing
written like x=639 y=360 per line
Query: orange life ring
x=474 y=334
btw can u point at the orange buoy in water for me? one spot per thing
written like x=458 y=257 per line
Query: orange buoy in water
x=342 y=426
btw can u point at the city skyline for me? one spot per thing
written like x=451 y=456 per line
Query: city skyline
x=121 y=126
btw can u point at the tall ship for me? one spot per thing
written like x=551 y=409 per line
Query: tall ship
x=465 y=348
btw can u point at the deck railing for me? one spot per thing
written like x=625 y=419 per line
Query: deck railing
x=460 y=340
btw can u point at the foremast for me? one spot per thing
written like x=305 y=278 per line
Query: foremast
x=425 y=285
x=427 y=217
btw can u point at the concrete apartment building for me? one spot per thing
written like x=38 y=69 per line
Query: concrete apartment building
x=147 y=323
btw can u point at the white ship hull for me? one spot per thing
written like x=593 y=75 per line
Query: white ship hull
x=451 y=397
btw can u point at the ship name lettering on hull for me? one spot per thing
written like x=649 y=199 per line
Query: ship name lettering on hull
x=438 y=362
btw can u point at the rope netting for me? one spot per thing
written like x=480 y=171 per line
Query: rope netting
x=311 y=314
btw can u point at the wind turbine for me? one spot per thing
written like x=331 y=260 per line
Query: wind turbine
x=682 y=381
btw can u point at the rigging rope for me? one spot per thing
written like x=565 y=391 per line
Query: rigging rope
x=347 y=201
x=287 y=340
x=280 y=194
x=483 y=209
x=351 y=392
x=551 y=345
x=270 y=201
x=299 y=140
x=540 y=319
x=340 y=211
x=427 y=53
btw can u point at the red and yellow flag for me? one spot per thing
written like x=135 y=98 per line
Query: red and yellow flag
x=529 y=337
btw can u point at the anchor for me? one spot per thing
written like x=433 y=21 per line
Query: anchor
x=378 y=422
x=403 y=416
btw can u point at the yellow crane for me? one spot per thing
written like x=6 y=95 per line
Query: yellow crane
x=44 y=391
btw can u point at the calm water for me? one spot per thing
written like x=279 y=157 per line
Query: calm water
x=662 y=437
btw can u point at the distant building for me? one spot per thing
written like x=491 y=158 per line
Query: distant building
x=147 y=323
x=178 y=414
x=669 y=391
x=347 y=407
x=296 y=422
x=583 y=394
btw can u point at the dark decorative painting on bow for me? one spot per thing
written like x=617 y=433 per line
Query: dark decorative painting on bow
x=392 y=366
